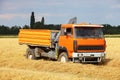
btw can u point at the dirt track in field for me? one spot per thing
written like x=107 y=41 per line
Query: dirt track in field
x=14 y=66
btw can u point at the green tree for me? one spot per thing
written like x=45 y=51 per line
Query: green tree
x=108 y=29
x=38 y=25
x=32 y=20
x=43 y=21
x=14 y=29
x=4 y=30
x=26 y=27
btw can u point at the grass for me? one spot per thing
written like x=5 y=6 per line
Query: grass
x=14 y=66
x=112 y=36
x=8 y=36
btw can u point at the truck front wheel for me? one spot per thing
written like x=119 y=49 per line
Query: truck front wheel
x=30 y=54
x=63 y=57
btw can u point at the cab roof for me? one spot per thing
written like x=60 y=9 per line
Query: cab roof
x=80 y=25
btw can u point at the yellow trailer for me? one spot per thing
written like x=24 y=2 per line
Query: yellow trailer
x=37 y=37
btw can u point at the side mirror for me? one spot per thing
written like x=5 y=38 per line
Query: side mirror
x=65 y=33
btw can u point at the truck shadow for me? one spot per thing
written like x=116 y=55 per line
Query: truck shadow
x=46 y=59
x=96 y=63
x=107 y=61
x=104 y=63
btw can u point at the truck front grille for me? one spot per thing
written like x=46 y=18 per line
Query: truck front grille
x=90 y=47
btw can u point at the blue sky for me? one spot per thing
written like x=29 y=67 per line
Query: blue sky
x=18 y=12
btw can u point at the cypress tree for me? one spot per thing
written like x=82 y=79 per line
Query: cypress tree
x=42 y=21
x=32 y=20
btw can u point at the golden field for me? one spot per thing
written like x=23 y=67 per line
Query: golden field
x=14 y=66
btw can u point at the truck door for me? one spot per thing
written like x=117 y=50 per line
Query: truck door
x=66 y=40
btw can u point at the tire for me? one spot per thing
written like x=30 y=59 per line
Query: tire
x=102 y=62
x=63 y=57
x=30 y=54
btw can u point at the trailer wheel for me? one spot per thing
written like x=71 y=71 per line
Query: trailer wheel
x=30 y=54
x=63 y=57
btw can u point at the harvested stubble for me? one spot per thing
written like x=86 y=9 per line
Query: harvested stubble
x=14 y=66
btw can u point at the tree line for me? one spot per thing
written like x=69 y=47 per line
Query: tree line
x=14 y=30
x=6 y=30
x=109 y=29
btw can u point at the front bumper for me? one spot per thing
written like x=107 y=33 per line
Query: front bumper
x=89 y=57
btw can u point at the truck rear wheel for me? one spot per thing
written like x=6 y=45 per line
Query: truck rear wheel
x=30 y=54
x=63 y=57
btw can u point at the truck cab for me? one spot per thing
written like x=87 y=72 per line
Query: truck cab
x=83 y=42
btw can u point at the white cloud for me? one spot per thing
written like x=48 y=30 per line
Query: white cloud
x=38 y=16
x=31 y=3
x=116 y=6
x=11 y=16
x=109 y=16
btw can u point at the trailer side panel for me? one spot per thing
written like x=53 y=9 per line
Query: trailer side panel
x=35 y=37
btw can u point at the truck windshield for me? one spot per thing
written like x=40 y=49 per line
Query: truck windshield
x=88 y=32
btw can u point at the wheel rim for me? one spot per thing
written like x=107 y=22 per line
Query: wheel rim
x=30 y=56
x=63 y=59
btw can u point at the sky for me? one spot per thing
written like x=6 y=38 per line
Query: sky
x=18 y=12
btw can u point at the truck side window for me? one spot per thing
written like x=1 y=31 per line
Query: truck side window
x=69 y=31
x=65 y=31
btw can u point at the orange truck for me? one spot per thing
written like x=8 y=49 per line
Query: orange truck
x=83 y=43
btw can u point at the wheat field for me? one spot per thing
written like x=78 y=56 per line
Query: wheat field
x=14 y=66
